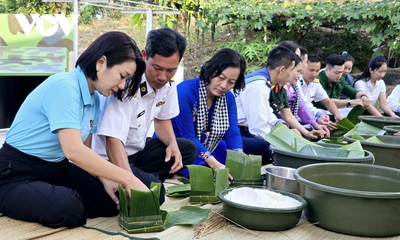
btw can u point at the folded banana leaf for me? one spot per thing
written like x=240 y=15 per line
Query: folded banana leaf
x=180 y=190
x=152 y=218
x=354 y=113
x=347 y=124
x=144 y=212
x=245 y=169
x=203 y=187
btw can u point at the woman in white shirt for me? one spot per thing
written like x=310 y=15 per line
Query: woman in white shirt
x=370 y=81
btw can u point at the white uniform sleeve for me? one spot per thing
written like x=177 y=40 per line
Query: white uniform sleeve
x=320 y=93
x=170 y=108
x=313 y=110
x=394 y=99
x=255 y=104
x=115 y=118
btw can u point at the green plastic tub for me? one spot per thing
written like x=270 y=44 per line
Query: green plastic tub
x=264 y=219
x=386 y=153
x=354 y=199
x=296 y=160
x=380 y=121
x=391 y=129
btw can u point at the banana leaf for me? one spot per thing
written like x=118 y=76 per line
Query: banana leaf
x=180 y=190
x=203 y=187
x=144 y=210
x=186 y=215
x=283 y=138
x=151 y=218
x=354 y=113
x=363 y=128
x=373 y=139
x=355 y=149
x=322 y=151
x=345 y=124
x=245 y=169
x=357 y=137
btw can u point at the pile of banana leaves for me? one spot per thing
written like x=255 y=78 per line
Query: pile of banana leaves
x=283 y=138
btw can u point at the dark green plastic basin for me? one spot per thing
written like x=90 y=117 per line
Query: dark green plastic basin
x=355 y=199
x=296 y=160
x=386 y=153
x=379 y=121
x=391 y=129
x=265 y=219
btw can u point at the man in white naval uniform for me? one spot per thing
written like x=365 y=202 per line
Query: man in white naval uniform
x=314 y=92
x=124 y=121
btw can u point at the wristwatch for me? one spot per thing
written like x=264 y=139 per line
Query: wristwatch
x=348 y=102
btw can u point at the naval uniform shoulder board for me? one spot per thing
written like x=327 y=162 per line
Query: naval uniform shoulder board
x=316 y=80
x=268 y=83
x=143 y=89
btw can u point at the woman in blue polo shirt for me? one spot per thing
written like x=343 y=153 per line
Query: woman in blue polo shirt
x=53 y=127
x=207 y=109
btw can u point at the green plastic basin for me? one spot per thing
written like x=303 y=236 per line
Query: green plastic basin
x=379 y=121
x=386 y=153
x=391 y=129
x=296 y=160
x=355 y=199
x=265 y=219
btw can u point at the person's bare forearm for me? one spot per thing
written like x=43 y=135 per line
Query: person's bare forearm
x=331 y=106
x=116 y=153
x=164 y=131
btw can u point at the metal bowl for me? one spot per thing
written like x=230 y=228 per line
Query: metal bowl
x=264 y=219
x=281 y=178
x=355 y=199
x=296 y=160
x=380 y=121
x=392 y=129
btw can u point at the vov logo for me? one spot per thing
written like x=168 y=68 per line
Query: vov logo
x=55 y=21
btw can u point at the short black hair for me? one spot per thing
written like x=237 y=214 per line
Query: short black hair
x=118 y=48
x=303 y=52
x=165 y=42
x=292 y=46
x=280 y=56
x=374 y=63
x=334 y=60
x=314 y=58
x=297 y=60
x=222 y=60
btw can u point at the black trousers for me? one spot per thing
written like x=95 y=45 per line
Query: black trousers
x=152 y=158
x=54 y=194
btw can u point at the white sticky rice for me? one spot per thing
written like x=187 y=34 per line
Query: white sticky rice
x=262 y=198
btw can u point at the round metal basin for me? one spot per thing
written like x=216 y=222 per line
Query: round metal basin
x=281 y=178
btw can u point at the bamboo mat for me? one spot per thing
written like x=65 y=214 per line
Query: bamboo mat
x=213 y=228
